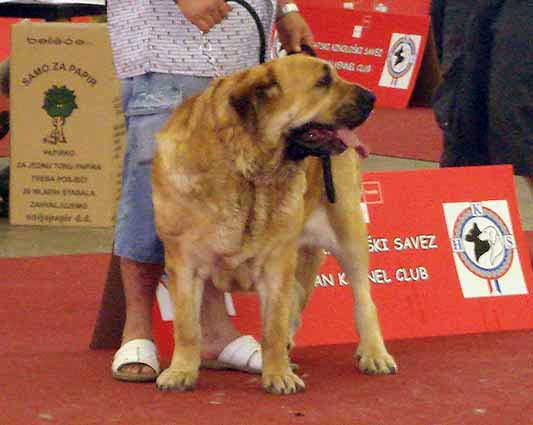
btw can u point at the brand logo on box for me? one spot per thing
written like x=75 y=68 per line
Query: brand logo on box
x=58 y=41
x=59 y=103
x=484 y=249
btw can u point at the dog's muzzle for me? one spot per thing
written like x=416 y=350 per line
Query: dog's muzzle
x=313 y=139
x=323 y=140
x=354 y=114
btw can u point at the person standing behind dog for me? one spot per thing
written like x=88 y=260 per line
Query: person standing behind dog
x=161 y=59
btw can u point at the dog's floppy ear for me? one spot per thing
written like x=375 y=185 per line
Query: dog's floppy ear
x=252 y=92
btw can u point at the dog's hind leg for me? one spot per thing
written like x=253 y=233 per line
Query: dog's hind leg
x=351 y=250
x=309 y=261
x=186 y=289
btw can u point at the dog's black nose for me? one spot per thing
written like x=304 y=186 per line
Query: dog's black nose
x=366 y=100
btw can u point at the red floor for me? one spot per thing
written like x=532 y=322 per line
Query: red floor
x=405 y=133
x=50 y=376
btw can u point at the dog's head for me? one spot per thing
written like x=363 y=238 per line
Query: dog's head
x=300 y=96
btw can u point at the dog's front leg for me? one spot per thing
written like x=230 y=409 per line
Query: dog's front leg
x=372 y=355
x=275 y=292
x=352 y=254
x=351 y=250
x=186 y=289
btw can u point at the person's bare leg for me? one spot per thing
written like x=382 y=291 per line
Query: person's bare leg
x=140 y=282
x=217 y=327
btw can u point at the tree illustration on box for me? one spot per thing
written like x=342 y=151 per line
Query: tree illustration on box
x=59 y=103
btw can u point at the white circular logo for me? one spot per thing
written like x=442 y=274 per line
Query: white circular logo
x=483 y=243
x=402 y=57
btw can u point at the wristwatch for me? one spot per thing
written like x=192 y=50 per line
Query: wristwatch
x=284 y=10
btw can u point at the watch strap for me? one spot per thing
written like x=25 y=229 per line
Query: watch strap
x=284 y=10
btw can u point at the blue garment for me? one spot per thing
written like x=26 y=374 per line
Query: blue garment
x=148 y=101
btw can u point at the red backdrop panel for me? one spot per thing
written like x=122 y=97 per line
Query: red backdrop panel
x=405 y=7
x=420 y=283
x=381 y=51
x=5 y=32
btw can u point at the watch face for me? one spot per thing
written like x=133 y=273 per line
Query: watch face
x=286 y=9
x=289 y=7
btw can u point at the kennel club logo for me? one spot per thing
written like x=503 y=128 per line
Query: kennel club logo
x=401 y=60
x=484 y=249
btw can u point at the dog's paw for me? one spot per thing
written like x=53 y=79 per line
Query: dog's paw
x=375 y=362
x=176 y=380
x=287 y=383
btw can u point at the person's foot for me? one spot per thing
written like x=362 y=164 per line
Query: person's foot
x=140 y=281
x=136 y=361
x=138 y=369
x=135 y=329
x=215 y=339
x=143 y=370
x=213 y=343
x=241 y=354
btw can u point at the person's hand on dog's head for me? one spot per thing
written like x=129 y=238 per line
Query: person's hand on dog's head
x=306 y=50
x=294 y=32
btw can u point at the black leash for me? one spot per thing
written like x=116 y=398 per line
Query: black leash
x=309 y=141
x=296 y=150
x=260 y=27
x=328 y=178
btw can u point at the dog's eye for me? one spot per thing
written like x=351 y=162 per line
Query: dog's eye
x=325 y=81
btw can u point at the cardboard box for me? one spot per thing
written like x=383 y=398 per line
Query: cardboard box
x=67 y=126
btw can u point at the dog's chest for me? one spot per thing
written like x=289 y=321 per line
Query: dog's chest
x=252 y=224
x=318 y=232
x=240 y=232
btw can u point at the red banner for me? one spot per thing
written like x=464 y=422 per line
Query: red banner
x=403 y=7
x=5 y=30
x=381 y=51
x=448 y=256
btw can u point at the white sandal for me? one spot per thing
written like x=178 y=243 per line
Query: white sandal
x=136 y=351
x=243 y=353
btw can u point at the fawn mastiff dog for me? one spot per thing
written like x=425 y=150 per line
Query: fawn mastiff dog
x=235 y=206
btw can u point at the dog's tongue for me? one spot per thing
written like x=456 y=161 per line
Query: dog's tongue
x=350 y=139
